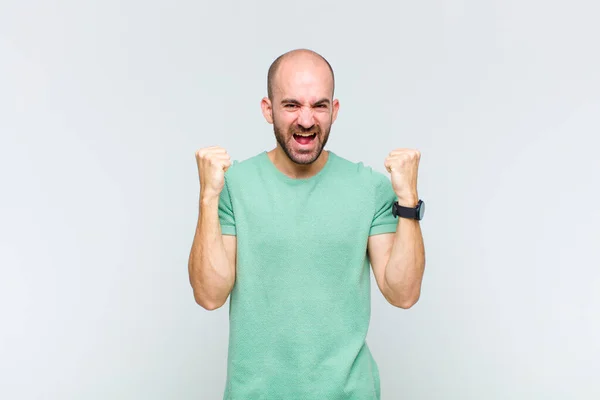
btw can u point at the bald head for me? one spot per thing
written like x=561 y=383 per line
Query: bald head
x=296 y=58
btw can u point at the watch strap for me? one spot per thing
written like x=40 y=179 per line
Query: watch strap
x=406 y=212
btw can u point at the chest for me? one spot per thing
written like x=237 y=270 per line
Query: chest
x=325 y=218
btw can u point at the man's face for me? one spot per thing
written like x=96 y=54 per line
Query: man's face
x=303 y=109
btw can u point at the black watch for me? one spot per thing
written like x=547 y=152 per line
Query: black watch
x=409 y=212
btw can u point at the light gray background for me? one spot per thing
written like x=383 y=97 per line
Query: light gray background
x=103 y=104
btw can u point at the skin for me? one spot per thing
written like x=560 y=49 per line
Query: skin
x=302 y=103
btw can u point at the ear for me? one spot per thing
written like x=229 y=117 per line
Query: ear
x=267 y=109
x=335 y=107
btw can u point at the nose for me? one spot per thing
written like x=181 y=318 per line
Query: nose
x=306 y=118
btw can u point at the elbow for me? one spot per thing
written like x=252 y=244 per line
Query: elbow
x=402 y=297
x=209 y=298
x=209 y=305
x=406 y=302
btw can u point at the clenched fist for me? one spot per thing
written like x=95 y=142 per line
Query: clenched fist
x=212 y=164
x=403 y=165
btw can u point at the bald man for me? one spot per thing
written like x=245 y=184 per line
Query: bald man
x=289 y=235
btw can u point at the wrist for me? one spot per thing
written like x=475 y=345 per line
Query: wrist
x=408 y=201
x=207 y=199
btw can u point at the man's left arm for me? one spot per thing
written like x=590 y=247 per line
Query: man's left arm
x=398 y=259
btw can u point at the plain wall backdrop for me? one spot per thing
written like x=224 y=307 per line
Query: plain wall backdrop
x=103 y=104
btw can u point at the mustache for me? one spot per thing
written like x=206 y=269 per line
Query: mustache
x=310 y=131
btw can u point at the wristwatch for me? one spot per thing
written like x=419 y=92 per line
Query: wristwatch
x=409 y=212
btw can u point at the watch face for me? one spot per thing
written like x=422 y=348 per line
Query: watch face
x=422 y=210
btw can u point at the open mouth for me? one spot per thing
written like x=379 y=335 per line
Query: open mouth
x=304 y=139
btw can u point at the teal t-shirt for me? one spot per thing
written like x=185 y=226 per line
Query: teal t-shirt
x=300 y=307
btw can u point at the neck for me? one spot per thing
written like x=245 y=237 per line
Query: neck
x=293 y=170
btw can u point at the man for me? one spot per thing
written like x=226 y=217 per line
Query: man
x=290 y=234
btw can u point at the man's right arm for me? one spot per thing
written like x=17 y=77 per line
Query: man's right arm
x=212 y=259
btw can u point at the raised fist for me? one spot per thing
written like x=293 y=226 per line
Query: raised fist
x=212 y=164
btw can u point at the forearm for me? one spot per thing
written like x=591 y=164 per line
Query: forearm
x=210 y=270
x=406 y=264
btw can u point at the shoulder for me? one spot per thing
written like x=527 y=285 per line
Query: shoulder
x=361 y=171
x=242 y=168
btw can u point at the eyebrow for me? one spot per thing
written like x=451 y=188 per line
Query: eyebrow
x=293 y=101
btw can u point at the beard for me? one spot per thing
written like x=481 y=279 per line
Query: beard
x=286 y=142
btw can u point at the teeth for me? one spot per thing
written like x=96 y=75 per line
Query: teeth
x=305 y=135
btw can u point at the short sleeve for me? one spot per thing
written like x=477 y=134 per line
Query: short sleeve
x=226 y=216
x=383 y=219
